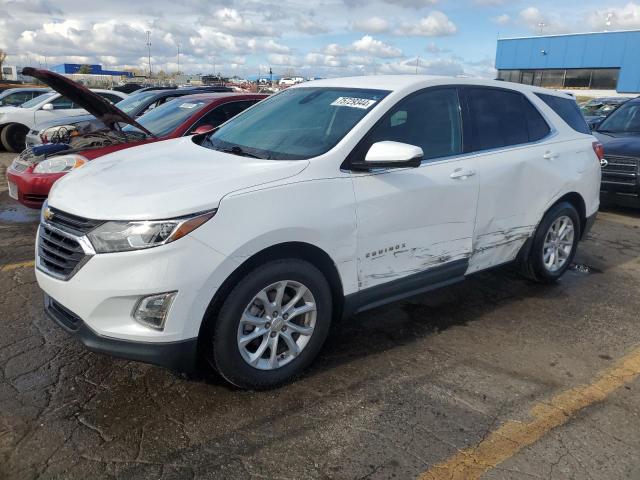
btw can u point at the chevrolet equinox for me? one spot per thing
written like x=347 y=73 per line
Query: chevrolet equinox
x=241 y=246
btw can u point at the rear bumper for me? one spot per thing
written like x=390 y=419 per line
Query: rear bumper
x=180 y=356
x=589 y=224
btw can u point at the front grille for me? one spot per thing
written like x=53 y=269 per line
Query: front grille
x=73 y=224
x=62 y=315
x=620 y=173
x=58 y=254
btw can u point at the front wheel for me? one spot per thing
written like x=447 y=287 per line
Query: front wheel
x=554 y=244
x=272 y=325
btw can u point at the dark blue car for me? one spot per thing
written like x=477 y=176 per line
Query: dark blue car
x=620 y=135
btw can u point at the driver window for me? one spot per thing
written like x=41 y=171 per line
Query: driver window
x=429 y=119
x=61 y=103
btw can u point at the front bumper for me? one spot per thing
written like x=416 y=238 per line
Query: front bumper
x=180 y=356
x=33 y=188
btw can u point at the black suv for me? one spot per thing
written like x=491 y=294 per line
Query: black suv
x=620 y=135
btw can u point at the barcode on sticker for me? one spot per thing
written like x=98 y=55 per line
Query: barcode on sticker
x=353 y=102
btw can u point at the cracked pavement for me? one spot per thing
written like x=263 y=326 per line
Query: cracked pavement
x=395 y=390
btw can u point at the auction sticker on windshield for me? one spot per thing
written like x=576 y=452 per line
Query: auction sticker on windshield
x=353 y=102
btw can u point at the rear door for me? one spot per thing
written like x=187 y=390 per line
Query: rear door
x=412 y=221
x=517 y=168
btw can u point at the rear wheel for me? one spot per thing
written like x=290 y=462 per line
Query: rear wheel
x=13 y=137
x=554 y=244
x=272 y=325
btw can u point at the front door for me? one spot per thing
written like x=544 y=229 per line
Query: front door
x=413 y=220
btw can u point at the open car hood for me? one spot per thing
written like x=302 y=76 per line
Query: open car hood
x=97 y=106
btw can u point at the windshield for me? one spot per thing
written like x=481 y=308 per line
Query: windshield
x=591 y=109
x=132 y=101
x=35 y=101
x=625 y=119
x=298 y=123
x=166 y=118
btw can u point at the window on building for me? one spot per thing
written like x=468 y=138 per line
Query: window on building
x=594 y=78
x=605 y=78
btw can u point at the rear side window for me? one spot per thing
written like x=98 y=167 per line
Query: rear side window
x=501 y=118
x=568 y=110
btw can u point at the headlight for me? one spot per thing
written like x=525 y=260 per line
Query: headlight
x=63 y=163
x=125 y=236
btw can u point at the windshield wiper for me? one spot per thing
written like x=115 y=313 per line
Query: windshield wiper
x=236 y=150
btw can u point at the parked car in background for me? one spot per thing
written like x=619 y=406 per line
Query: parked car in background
x=326 y=199
x=620 y=136
x=15 y=122
x=134 y=105
x=14 y=97
x=31 y=175
x=597 y=109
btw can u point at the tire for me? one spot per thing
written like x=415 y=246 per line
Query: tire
x=548 y=256
x=13 y=137
x=244 y=314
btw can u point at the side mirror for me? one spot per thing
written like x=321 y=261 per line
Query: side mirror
x=47 y=106
x=389 y=154
x=203 y=129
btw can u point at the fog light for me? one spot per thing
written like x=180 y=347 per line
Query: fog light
x=153 y=310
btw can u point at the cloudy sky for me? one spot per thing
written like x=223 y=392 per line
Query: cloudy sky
x=321 y=38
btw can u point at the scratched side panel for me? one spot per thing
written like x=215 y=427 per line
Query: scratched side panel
x=516 y=187
x=412 y=220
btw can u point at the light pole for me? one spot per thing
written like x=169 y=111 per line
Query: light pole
x=417 y=64
x=149 y=50
x=178 y=58
x=541 y=25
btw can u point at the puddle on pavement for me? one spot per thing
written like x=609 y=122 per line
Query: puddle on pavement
x=18 y=214
x=583 y=268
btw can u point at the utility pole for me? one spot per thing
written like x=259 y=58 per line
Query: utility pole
x=417 y=64
x=270 y=77
x=149 y=50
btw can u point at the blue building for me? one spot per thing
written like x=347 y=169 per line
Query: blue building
x=596 y=61
x=71 y=68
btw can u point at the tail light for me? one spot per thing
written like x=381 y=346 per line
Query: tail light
x=598 y=148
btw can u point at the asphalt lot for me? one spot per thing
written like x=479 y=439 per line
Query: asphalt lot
x=495 y=376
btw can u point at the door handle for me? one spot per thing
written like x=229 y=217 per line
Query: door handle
x=462 y=173
x=549 y=155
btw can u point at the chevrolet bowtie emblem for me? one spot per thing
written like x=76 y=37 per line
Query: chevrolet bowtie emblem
x=48 y=214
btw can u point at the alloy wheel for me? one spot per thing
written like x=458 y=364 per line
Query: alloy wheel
x=558 y=243
x=277 y=325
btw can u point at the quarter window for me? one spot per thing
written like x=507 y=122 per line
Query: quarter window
x=429 y=120
x=501 y=118
x=568 y=110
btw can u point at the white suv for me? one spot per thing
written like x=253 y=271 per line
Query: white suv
x=241 y=246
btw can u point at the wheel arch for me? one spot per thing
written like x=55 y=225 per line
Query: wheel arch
x=300 y=250
x=575 y=199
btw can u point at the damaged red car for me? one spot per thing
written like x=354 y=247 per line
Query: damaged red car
x=33 y=172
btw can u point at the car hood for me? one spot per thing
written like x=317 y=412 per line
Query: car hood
x=162 y=180
x=620 y=143
x=97 y=106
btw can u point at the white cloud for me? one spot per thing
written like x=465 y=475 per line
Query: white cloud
x=283 y=60
x=372 y=25
x=228 y=19
x=621 y=18
x=377 y=48
x=492 y=3
x=502 y=19
x=535 y=21
x=433 y=25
